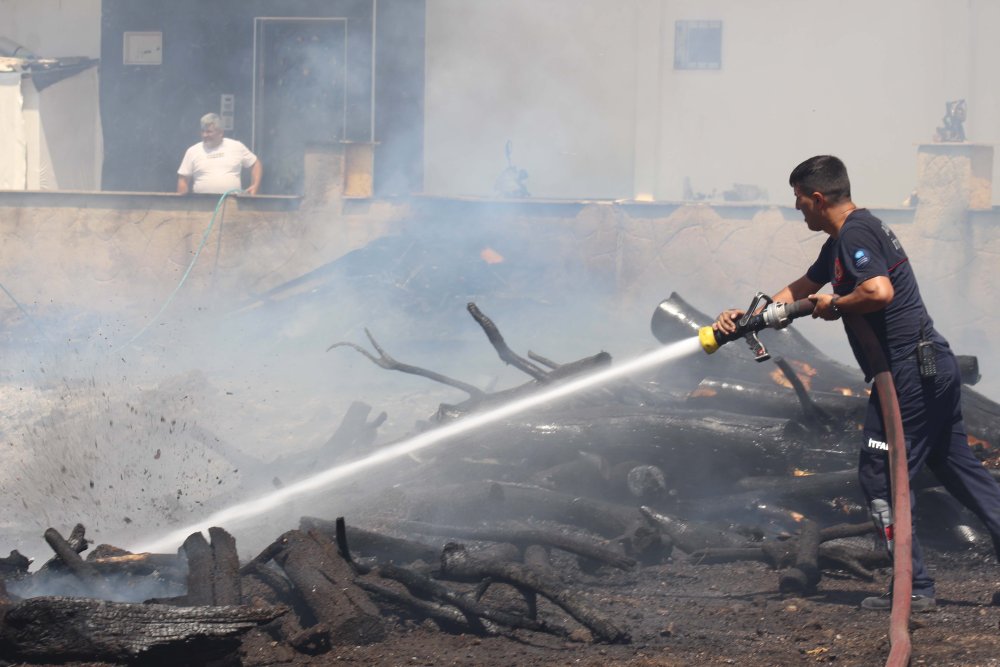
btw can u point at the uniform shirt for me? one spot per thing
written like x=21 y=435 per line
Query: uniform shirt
x=219 y=169
x=864 y=249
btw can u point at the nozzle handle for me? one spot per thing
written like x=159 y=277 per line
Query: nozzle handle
x=799 y=308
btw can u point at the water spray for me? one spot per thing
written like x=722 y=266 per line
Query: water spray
x=325 y=479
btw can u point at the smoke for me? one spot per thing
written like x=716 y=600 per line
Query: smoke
x=227 y=397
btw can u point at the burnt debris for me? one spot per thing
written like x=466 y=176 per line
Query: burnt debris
x=708 y=460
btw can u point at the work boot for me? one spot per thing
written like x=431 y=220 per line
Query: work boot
x=918 y=603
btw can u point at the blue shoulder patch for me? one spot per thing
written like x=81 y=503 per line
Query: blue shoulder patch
x=861 y=259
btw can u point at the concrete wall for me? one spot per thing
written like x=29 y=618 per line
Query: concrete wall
x=121 y=256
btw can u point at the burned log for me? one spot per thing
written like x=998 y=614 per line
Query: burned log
x=647 y=544
x=170 y=566
x=537 y=556
x=56 y=629
x=799 y=580
x=805 y=575
x=266 y=586
x=957 y=526
x=80 y=568
x=371 y=543
x=524 y=537
x=814 y=416
x=699 y=452
x=478 y=397
x=771 y=497
x=457 y=562
x=506 y=500
x=225 y=568
x=213 y=570
x=693 y=536
x=592 y=474
x=355 y=433
x=383 y=360
x=803 y=486
x=200 y=574
x=857 y=561
x=982 y=422
x=76 y=543
x=446 y=617
x=324 y=580
x=471 y=609
x=771 y=400
x=675 y=319
x=14 y=566
x=500 y=345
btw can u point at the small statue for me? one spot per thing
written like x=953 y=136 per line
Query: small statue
x=510 y=182
x=954 y=115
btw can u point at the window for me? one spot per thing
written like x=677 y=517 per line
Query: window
x=698 y=45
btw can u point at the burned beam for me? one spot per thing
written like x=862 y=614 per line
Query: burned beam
x=57 y=629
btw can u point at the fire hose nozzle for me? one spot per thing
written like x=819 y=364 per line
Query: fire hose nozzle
x=708 y=340
x=774 y=315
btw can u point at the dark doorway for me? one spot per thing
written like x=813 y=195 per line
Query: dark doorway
x=300 y=79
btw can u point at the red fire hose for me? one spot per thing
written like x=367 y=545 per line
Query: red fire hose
x=899 y=475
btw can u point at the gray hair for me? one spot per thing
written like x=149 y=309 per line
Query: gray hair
x=210 y=119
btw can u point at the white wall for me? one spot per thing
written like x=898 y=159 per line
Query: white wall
x=63 y=144
x=553 y=76
x=53 y=28
x=865 y=80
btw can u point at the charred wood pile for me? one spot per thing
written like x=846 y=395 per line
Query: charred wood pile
x=715 y=459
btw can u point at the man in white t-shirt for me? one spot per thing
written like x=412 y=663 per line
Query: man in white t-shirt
x=216 y=164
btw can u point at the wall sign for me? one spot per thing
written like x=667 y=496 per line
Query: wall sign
x=143 y=48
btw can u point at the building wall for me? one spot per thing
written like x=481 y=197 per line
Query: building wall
x=63 y=142
x=584 y=89
x=54 y=28
x=569 y=81
x=151 y=112
x=556 y=78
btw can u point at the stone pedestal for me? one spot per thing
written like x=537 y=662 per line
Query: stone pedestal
x=359 y=168
x=338 y=170
x=324 y=174
x=955 y=175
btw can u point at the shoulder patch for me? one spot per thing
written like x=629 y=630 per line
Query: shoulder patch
x=861 y=259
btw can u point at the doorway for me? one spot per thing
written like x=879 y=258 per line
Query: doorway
x=299 y=94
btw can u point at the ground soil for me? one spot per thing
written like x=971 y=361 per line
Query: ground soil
x=682 y=613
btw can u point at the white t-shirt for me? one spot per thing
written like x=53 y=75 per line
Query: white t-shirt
x=217 y=170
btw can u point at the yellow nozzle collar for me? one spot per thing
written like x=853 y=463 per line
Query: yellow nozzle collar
x=706 y=336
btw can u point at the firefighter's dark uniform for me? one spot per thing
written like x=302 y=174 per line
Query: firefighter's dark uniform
x=931 y=408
